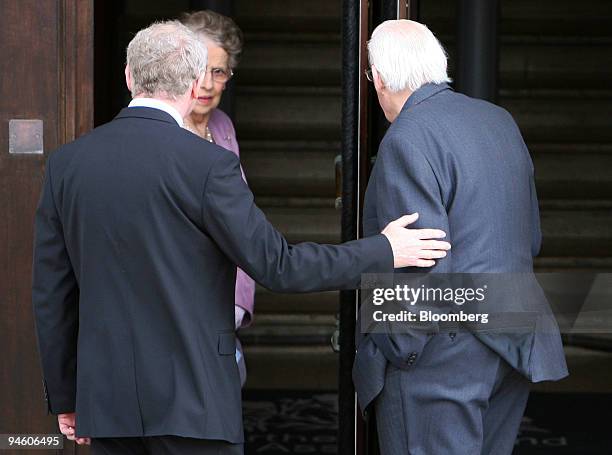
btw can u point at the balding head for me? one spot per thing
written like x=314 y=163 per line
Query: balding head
x=407 y=55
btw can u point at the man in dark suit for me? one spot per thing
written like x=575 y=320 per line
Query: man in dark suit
x=463 y=165
x=139 y=230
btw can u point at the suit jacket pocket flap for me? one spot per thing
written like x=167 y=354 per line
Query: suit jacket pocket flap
x=227 y=343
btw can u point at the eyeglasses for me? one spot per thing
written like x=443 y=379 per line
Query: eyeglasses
x=368 y=74
x=221 y=75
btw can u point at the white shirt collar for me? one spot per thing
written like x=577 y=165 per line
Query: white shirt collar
x=157 y=104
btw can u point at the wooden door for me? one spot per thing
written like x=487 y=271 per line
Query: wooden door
x=46 y=99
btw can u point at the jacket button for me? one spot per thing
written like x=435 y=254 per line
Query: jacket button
x=411 y=358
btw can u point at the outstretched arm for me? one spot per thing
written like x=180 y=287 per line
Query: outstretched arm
x=243 y=233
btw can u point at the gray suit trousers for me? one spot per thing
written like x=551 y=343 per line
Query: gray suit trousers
x=459 y=398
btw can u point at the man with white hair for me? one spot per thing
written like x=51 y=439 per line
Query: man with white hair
x=461 y=163
x=139 y=230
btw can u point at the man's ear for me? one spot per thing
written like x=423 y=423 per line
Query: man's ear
x=128 y=78
x=379 y=85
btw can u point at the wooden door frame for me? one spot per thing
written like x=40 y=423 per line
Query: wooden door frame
x=76 y=65
x=357 y=108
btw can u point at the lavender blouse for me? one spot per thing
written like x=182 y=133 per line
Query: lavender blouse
x=224 y=135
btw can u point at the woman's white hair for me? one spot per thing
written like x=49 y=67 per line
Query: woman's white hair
x=407 y=55
x=165 y=59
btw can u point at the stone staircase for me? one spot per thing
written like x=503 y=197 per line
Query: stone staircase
x=288 y=113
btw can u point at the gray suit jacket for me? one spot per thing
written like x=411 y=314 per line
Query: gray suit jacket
x=463 y=165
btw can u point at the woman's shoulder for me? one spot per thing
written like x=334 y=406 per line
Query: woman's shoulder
x=221 y=119
x=223 y=130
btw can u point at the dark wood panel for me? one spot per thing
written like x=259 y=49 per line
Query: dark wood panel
x=47 y=59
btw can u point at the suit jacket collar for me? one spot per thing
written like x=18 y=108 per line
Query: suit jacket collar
x=146 y=112
x=424 y=92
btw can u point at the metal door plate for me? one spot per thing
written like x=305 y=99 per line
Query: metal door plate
x=26 y=136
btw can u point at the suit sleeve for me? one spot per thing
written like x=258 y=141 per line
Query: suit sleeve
x=55 y=305
x=243 y=233
x=536 y=239
x=406 y=183
x=536 y=236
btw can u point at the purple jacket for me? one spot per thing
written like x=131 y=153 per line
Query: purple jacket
x=224 y=135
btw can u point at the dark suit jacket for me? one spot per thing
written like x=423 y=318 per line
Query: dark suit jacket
x=462 y=164
x=138 y=233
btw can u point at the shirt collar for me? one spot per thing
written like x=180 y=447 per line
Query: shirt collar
x=157 y=104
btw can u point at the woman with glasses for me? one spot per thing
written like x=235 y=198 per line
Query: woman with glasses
x=223 y=40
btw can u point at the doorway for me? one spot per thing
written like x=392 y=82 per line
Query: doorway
x=285 y=101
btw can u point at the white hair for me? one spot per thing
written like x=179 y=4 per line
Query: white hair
x=407 y=55
x=165 y=59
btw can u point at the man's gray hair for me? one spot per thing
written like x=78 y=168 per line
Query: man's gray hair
x=407 y=55
x=164 y=59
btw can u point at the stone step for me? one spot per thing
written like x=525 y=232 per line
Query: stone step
x=575 y=204
x=559 y=120
x=297 y=173
x=544 y=17
x=573 y=176
x=318 y=116
x=314 y=224
x=295 y=329
x=573 y=264
x=281 y=200
x=316 y=367
x=572 y=66
x=566 y=233
x=276 y=63
x=314 y=303
x=293 y=16
x=537 y=94
x=573 y=233
x=577 y=173
x=564 y=67
x=528 y=17
x=261 y=146
x=557 y=148
x=590 y=372
x=291 y=367
x=315 y=116
x=544 y=95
